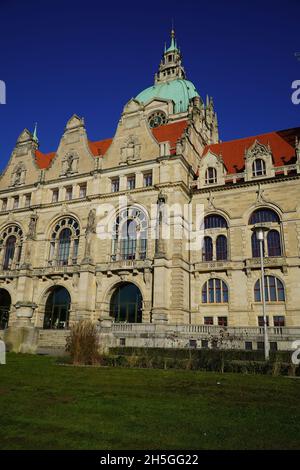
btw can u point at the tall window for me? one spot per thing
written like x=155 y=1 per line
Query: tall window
x=259 y=167
x=215 y=240
x=130 y=235
x=54 y=195
x=255 y=246
x=16 y=202
x=274 y=290
x=210 y=175
x=27 y=200
x=131 y=182
x=64 y=246
x=64 y=242
x=4 y=204
x=9 y=252
x=148 y=179
x=208 y=249
x=214 y=291
x=69 y=193
x=115 y=185
x=11 y=242
x=221 y=247
x=272 y=243
x=82 y=190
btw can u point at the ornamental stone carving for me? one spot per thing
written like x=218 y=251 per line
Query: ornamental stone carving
x=131 y=150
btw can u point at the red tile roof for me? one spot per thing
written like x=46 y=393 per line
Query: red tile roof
x=282 y=145
x=100 y=147
x=281 y=142
x=170 y=133
x=167 y=133
x=44 y=159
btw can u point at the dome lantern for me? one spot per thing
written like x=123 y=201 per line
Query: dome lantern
x=170 y=81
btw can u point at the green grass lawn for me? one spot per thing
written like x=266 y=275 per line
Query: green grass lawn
x=46 y=406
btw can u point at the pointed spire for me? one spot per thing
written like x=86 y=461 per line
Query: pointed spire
x=35 y=137
x=173 y=45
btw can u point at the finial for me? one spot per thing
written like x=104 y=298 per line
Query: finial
x=35 y=137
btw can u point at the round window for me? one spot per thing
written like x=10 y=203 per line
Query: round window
x=157 y=119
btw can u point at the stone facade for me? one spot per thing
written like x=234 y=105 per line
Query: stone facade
x=166 y=152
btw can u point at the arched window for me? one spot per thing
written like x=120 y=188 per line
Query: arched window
x=208 y=249
x=259 y=167
x=274 y=290
x=64 y=242
x=263 y=215
x=57 y=309
x=130 y=233
x=11 y=241
x=5 y=303
x=214 y=221
x=210 y=175
x=214 y=291
x=272 y=242
x=221 y=248
x=274 y=245
x=126 y=304
x=215 y=245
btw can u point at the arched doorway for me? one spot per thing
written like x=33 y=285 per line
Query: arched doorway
x=5 y=303
x=126 y=304
x=57 y=309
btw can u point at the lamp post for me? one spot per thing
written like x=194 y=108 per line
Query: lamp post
x=260 y=231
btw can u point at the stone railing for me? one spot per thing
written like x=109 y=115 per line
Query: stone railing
x=165 y=335
x=241 y=332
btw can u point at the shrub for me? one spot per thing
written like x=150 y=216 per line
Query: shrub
x=215 y=360
x=83 y=343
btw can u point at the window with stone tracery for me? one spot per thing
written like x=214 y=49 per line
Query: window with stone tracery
x=130 y=235
x=11 y=247
x=64 y=242
x=272 y=245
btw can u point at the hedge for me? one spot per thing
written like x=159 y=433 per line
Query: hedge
x=239 y=361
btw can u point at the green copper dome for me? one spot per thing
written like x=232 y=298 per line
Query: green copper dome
x=179 y=90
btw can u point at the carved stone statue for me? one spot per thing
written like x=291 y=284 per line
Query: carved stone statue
x=18 y=176
x=91 y=224
x=32 y=227
x=90 y=229
x=69 y=165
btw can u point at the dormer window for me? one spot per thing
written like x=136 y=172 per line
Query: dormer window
x=259 y=167
x=211 y=175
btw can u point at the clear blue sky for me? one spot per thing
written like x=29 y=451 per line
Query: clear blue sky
x=89 y=57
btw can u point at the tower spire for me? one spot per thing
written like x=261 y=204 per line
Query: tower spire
x=170 y=67
x=34 y=136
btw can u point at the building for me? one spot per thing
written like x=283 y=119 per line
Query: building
x=57 y=267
